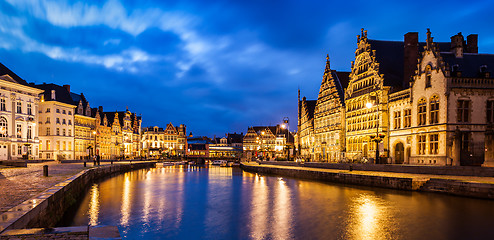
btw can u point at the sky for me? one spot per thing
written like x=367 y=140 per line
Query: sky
x=217 y=66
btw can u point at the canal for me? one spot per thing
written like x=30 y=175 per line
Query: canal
x=228 y=203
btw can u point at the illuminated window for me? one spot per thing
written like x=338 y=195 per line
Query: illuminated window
x=2 y=105
x=422 y=112
x=19 y=130
x=48 y=146
x=397 y=118
x=463 y=110
x=407 y=114
x=58 y=131
x=421 y=140
x=29 y=132
x=3 y=127
x=433 y=143
x=434 y=110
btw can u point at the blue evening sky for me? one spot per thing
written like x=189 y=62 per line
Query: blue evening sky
x=216 y=66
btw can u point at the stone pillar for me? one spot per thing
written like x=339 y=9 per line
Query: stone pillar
x=489 y=149
x=456 y=148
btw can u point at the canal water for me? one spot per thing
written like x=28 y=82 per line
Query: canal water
x=227 y=203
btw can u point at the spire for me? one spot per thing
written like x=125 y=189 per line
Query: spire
x=328 y=69
x=429 y=39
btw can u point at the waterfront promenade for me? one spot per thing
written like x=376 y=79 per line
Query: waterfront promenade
x=18 y=184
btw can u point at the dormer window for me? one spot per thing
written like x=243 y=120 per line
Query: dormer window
x=455 y=69
x=483 y=71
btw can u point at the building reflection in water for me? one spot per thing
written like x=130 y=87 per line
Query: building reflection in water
x=368 y=218
x=94 y=205
x=126 y=200
x=259 y=203
x=147 y=197
x=282 y=214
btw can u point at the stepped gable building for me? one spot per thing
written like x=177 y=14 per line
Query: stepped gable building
x=268 y=142
x=321 y=135
x=19 y=106
x=153 y=141
x=126 y=133
x=56 y=118
x=416 y=102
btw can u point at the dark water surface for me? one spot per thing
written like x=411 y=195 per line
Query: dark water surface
x=227 y=203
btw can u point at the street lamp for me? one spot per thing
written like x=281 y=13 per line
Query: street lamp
x=94 y=151
x=378 y=138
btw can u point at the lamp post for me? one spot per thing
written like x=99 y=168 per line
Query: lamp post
x=94 y=150
x=378 y=138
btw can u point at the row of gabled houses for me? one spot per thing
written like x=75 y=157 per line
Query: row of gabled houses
x=48 y=121
x=404 y=102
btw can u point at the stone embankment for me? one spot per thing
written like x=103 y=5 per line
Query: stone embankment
x=468 y=186
x=46 y=209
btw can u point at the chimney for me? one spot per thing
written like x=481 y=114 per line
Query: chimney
x=457 y=43
x=53 y=96
x=472 y=43
x=100 y=109
x=410 y=56
x=67 y=87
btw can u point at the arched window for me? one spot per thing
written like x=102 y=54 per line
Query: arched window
x=428 y=76
x=3 y=127
x=422 y=111
x=434 y=109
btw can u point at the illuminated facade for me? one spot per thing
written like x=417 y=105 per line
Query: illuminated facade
x=267 y=142
x=107 y=146
x=19 y=105
x=437 y=112
x=229 y=146
x=153 y=141
x=175 y=140
x=85 y=128
x=56 y=118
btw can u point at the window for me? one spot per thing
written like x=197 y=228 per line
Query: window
x=58 y=110
x=40 y=145
x=48 y=132
x=3 y=127
x=48 y=145
x=397 y=118
x=58 y=120
x=58 y=145
x=19 y=149
x=70 y=133
x=2 y=105
x=70 y=113
x=63 y=121
x=433 y=143
x=463 y=110
x=408 y=117
x=434 y=110
x=29 y=109
x=19 y=107
x=70 y=122
x=47 y=119
x=63 y=132
x=48 y=110
x=63 y=111
x=70 y=146
x=58 y=131
x=428 y=76
x=465 y=142
x=19 y=130
x=421 y=144
x=422 y=112
x=490 y=112
x=63 y=145
x=29 y=132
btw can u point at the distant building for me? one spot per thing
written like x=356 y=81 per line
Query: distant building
x=84 y=127
x=153 y=141
x=267 y=142
x=198 y=147
x=19 y=105
x=125 y=128
x=229 y=146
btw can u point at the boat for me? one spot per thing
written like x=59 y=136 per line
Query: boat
x=222 y=163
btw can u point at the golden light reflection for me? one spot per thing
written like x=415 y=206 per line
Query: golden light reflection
x=126 y=195
x=147 y=198
x=368 y=218
x=94 y=206
x=283 y=209
x=258 y=217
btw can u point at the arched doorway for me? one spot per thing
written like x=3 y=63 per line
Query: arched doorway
x=399 y=153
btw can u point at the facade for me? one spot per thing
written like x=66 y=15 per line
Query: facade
x=19 y=105
x=436 y=112
x=175 y=140
x=267 y=142
x=56 y=118
x=85 y=127
x=125 y=133
x=153 y=141
x=229 y=146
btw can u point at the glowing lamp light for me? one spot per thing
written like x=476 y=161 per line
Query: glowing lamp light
x=283 y=126
x=368 y=104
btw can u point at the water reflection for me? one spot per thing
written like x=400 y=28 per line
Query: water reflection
x=94 y=205
x=226 y=203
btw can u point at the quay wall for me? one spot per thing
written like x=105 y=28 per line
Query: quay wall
x=47 y=209
x=424 y=184
x=415 y=169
